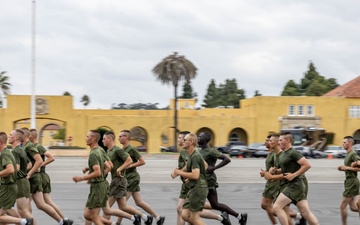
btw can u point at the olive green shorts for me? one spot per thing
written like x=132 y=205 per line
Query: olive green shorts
x=212 y=181
x=117 y=188
x=351 y=186
x=184 y=190
x=35 y=183
x=23 y=185
x=295 y=190
x=133 y=180
x=271 y=189
x=196 y=197
x=97 y=197
x=46 y=183
x=8 y=193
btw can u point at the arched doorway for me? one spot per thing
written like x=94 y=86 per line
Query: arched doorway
x=139 y=138
x=357 y=135
x=102 y=130
x=238 y=134
x=51 y=135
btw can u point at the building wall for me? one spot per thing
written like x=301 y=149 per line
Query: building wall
x=258 y=117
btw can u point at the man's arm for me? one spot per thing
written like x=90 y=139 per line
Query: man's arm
x=49 y=158
x=193 y=175
x=96 y=173
x=36 y=166
x=9 y=169
x=127 y=162
x=140 y=162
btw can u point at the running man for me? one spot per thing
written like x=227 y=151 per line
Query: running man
x=133 y=177
x=195 y=174
x=210 y=156
x=351 y=183
x=182 y=160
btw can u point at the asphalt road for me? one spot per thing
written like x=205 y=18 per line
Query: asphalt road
x=240 y=188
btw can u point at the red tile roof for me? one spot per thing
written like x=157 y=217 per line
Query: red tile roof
x=349 y=90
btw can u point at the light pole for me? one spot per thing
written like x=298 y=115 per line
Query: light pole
x=32 y=105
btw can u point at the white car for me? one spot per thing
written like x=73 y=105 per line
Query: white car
x=336 y=151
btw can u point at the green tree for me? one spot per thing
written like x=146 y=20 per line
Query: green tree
x=188 y=91
x=226 y=95
x=212 y=97
x=171 y=70
x=4 y=86
x=85 y=100
x=312 y=84
x=66 y=93
x=291 y=89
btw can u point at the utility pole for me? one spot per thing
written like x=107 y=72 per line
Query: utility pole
x=32 y=105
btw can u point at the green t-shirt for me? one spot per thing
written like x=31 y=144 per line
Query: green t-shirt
x=288 y=162
x=210 y=155
x=6 y=158
x=350 y=157
x=270 y=160
x=182 y=160
x=117 y=156
x=22 y=160
x=31 y=151
x=196 y=161
x=135 y=156
x=41 y=151
x=96 y=158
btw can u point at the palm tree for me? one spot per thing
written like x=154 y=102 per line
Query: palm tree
x=85 y=100
x=66 y=93
x=4 y=86
x=171 y=70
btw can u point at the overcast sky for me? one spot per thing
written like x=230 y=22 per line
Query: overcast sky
x=106 y=49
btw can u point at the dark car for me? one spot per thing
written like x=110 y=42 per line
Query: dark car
x=309 y=153
x=356 y=148
x=253 y=149
x=261 y=151
x=226 y=148
x=169 y=149
x=141 y=148
x=237 y=150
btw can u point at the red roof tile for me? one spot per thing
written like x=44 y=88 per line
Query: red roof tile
x=349 y=90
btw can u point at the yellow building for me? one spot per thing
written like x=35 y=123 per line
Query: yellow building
x=257 y=117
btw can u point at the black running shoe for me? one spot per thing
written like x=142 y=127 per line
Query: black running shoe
x=137 y=219
x=302 y=221
x=29 y=221
x=243 y=219
x=161 y=220
x=68 y=222
x=226 y=220
x=149 y=220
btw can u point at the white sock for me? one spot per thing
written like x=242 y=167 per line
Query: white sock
x=298 y=216
x=157 y=218
x=61 y=222
x=23 y=222
x=220 y=218
x=132 y=218
x=144 y=217
x=239 y=216
x=66 y=218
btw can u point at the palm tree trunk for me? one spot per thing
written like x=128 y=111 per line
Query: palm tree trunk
x=175 y=116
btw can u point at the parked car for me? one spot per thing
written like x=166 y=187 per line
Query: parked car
x=254 y=148
x=169 y=149
x=309 y=153
x=226 y=148
x=336 y=151
x=356 y=148
x=237 y=150
x=261 y=151
x=141 y=148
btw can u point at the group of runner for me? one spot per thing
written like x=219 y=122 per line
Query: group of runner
x=23 y=178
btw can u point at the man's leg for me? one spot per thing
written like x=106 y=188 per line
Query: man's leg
x=93 y=215
x=23 y=207
x=304 y=209
x=266 y=204
x=278 y=207
x=38 y=198
x=179 y=208
x=49 y=201
x=344 y=202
